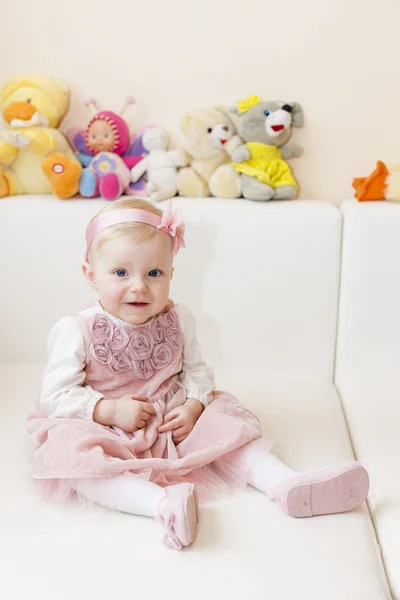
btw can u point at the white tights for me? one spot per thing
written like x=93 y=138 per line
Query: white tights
x=132 y=494
x=126 y=493
x=258 y=467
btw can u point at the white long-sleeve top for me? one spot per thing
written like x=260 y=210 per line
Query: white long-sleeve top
x=63 y=392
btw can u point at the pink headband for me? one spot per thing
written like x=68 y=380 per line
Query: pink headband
x=171 y=222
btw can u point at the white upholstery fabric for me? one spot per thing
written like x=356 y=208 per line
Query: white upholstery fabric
x=369 y=335
x=368 y=360
x=246 y=547
x=263 y=284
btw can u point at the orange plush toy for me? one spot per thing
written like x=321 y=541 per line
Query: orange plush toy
x=382 y=184
x=372 y=187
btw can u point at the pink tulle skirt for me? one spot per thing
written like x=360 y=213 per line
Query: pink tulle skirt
x=70 y=449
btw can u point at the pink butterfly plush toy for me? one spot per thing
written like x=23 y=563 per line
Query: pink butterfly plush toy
x=107 y=152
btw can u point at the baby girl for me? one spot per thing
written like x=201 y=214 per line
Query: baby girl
x=129 y=416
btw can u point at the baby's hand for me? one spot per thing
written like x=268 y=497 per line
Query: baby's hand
x=129 y=413
x=132 y=413
x=181 y=420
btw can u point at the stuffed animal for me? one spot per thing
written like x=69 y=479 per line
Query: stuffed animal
x=210 y=171
x=107 y=153
x=382 y=184
x=266 y=128
x=224 y=138
x=35 y=157
x=160 y=165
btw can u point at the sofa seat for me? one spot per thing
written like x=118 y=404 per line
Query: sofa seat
x=246 y=547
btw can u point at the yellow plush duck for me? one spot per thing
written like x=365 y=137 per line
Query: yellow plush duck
x=35 y=157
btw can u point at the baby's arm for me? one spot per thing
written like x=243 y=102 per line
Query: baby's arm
x=196 y=375
x=63 y=391
x=197 y=378
x=65 y=395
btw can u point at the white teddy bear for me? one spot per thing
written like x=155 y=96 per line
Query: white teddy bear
x=160 y=165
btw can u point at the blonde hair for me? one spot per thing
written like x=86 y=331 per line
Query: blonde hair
x=140 y=231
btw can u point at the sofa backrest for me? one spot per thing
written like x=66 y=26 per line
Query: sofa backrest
x=369 y=313
x=262 y=279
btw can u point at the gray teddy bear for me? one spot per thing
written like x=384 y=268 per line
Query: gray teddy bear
x=266 y=127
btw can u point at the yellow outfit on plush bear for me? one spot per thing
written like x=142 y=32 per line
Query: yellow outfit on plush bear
x=266 y=164
x=35 y=157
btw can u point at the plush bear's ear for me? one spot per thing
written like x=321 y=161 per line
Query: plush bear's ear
x=185 y=124
x=233 y=109
x=221 y=109
x=297 y=114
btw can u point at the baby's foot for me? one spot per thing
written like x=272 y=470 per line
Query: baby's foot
x=323 y=492
x=178 y=511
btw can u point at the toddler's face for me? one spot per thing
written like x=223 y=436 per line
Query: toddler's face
x=100 y=136
x=132 y=278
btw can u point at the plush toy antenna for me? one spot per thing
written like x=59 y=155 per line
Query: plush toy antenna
x=92 y=104
x=129 y=100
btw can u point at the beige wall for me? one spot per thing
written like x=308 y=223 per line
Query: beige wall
x=339 y=58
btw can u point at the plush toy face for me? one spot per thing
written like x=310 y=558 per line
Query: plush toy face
x=155 y=138
x=33 y=101
x=101 y=137
x=202 y=137
x=268 y=123
x=221 y=134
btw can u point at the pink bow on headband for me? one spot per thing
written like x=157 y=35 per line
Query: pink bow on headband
x=172 y=223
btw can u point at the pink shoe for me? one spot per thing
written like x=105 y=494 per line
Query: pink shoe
x=323 y=492
x=178 y=511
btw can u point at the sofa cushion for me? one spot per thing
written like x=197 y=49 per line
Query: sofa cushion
x=246 y=547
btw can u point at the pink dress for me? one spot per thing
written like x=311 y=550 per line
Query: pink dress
x=141 y=360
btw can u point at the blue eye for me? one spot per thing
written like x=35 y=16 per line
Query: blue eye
x=154 y=273
x=29 y=101
x=120 y=272
x=267 y=113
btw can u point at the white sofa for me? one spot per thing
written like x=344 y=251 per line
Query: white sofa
x=297 y=307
